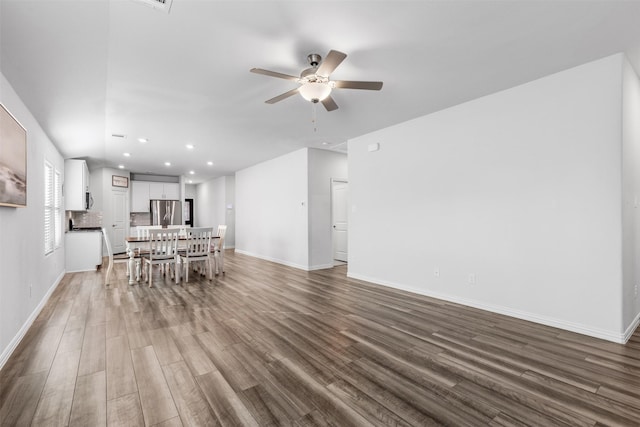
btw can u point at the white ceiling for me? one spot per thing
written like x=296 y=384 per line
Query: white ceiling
x=88 y=69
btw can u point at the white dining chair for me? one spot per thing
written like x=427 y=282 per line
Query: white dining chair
x=163 y=250
x=197 y=249
x=120 y=258
x=218 y=249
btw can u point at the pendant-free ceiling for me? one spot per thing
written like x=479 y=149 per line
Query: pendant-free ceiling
x=315 y=85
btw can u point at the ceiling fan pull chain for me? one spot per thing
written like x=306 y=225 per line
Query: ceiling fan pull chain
x=314 y=117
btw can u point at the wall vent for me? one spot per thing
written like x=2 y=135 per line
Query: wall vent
x=162 y=5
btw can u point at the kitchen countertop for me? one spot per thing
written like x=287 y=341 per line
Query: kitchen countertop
x=85 y=229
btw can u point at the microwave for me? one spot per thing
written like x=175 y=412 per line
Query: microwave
x=88 y=201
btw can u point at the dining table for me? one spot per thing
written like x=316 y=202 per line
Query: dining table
x=134 y=244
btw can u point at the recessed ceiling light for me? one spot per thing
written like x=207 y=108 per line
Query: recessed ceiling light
x=190 y=182
x=143 y=140
x=325 y=143
x=191 y=172
x=121 y=166
x=190 y=146
x=126 y=154
x=167 y=163
x=210 y=163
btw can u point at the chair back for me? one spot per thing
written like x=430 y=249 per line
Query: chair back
x=142 y=231
x=183 y=228
x=222 y=231
x=198 y=241
x=163 y=243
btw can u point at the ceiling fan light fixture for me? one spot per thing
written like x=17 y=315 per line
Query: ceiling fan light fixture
x=314 y=91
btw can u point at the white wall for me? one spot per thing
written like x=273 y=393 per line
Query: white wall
x=283 y=211
x=521 y=188
x=631 y=199
x=230 y=211
x=190 y=191
x=210 y=202
x=271 y=210
x=323 y=166
x=23 y=288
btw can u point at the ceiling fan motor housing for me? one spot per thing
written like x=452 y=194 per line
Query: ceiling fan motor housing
x=314 y=59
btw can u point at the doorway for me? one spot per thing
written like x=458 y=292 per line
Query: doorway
x=188 y=212
x=340 y=219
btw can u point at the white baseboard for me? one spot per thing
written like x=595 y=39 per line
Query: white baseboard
x=7 y=352
x=276 y=260
x=632 y=328
x=544 y=320
x=320 y=267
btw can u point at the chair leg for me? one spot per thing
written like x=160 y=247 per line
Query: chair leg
x=219 y=257
x=150 y=275
x=186 y=270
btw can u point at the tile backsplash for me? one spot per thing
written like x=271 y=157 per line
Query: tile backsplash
x=139 y=218
x=84 y=219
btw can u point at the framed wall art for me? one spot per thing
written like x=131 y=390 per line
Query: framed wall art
x=119 y=181
x=13 y=161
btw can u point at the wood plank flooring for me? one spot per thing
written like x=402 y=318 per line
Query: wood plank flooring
x=268 y=345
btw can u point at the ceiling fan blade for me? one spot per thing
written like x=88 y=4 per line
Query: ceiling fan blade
x=329 y=103
x=330 y=63
x=273 y=74
x=282 y=96
x=346 y=84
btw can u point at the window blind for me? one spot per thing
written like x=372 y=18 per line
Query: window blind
x=57 y=206
x=48 y=208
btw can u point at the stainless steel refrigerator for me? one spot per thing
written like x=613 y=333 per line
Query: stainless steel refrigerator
x=166 y=212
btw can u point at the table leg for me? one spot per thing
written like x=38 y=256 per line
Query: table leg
x=132 y=269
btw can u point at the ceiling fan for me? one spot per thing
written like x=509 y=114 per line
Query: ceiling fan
x=315 y=85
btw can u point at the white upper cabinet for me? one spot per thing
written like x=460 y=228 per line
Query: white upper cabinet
x=164 y=190
x=76 y=185
x=139 y=196
x=143 y=191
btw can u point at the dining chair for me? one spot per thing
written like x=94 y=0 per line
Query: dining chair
x=163 y=250
x=119 y=258
x=197 y=248
x=182 y=228
x=142 y=231
x=218 y=249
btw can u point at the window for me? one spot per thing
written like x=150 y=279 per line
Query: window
x=52 y=208
x=57 y=205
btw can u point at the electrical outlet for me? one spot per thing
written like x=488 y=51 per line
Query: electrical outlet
x=436 y=272
x=472 y=279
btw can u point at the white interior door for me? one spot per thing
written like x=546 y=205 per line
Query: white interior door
x=118 y=226
x=339 y=208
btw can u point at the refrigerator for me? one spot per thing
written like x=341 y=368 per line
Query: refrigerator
x=166 y=212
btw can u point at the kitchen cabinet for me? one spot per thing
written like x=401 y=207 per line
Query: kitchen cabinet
x=143 y=191
x=164 y=191
x=139 y=196
x=76 y=185
x=83 y=250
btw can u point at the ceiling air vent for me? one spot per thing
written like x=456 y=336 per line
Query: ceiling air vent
x=163 y=5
